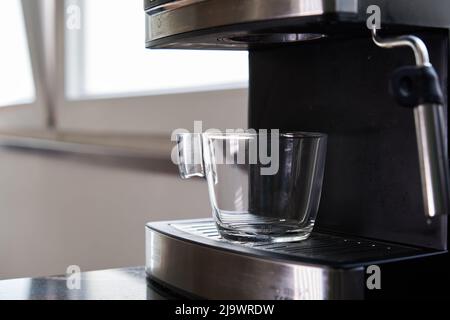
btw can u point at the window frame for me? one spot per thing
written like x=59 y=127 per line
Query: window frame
x=146 y=114
x=34 y=115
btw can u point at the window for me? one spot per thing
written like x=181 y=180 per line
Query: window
x=16 y=77
x=106 y=56
x=107 y=81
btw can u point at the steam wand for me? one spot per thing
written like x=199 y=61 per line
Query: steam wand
x=418 y=87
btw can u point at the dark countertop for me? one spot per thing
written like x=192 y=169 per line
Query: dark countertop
x=115 y=284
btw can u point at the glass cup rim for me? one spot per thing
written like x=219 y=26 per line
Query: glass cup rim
x=249 y=134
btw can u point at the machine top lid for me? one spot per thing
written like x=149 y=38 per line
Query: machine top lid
x=236 y=24
x=153 y=4
x=178 y=18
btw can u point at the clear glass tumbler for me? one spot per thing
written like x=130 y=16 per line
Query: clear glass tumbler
x=263 y=187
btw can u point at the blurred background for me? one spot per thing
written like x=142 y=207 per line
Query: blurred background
x=86 y=116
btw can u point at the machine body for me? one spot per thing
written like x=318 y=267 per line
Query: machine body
x=315 y=67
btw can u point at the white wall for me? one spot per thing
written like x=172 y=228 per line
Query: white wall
x=56 y=211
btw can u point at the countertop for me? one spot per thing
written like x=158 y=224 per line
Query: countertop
x=115 y=284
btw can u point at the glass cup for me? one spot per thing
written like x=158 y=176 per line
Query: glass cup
x=263 y=187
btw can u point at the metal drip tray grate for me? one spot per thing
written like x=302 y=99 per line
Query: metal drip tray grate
x=319 y=247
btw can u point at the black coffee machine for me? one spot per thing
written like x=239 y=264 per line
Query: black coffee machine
x=316 y=66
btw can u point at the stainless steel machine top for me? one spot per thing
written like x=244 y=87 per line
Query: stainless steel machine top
x=236 y=24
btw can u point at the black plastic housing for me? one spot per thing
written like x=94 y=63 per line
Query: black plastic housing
x=372 y=185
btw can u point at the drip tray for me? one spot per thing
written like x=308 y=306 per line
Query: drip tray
x=333 y=250
x=190 y=257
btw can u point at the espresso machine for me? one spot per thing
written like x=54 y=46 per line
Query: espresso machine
x=316 y=66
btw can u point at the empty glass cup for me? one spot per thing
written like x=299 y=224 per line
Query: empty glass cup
x=263 y=187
